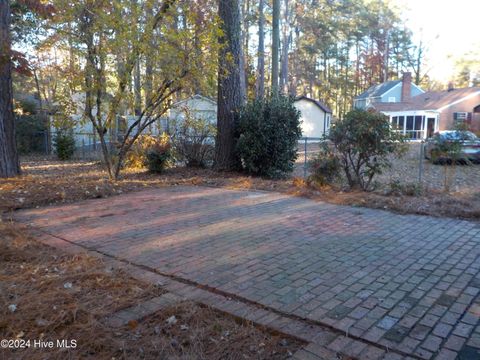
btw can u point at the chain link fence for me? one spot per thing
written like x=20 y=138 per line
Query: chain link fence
x=307 y=149
x=42 y=143
x=410 y=171
x=414 y=168
x=411 y=168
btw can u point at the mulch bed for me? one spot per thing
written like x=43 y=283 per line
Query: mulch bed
x=49 y=295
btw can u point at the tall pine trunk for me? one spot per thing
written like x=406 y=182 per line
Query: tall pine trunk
x=246 y=39
x=9 y=165
x=275 y=44
x=148 y=59
x=231 y=96
x=260 y=85
x=137 y=88
x=285 y=44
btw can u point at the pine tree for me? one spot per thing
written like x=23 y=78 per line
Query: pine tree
x=9 y=164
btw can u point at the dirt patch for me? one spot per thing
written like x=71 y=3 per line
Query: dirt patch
x=48 y=295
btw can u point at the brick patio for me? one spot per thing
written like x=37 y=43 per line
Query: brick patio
x=409 y=283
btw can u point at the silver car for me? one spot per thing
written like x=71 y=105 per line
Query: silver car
x=468 y=141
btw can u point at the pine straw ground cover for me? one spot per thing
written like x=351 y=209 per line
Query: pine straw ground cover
x=49 y=181
x=49 y=295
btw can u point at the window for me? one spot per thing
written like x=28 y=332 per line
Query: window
x=418 y=122
x=398 y=122
x=392 y=99
x=461 y=116
x=410 y=122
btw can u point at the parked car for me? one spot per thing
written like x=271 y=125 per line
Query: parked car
x=463 y=145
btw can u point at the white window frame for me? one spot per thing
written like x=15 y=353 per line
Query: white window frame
x=463 y=117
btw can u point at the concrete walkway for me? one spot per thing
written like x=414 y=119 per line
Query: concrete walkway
x=406 y=283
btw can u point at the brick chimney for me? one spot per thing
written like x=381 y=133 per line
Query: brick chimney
x=406 y=86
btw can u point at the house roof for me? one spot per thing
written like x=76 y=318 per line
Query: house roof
x=431 y=100
x=378 y=90
x=320 y=104
x=196 y=96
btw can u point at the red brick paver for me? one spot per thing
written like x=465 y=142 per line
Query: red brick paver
x=409 y=283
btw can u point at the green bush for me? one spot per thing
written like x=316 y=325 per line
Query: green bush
x=64 y=144
x=325 y=167
x=160 y=155
x=268 y=133
x=363 y=142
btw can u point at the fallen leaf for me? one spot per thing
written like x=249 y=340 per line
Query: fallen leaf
x=132 y=324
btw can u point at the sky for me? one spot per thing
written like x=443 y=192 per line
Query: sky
x=450 y=28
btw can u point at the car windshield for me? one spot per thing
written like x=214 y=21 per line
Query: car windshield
x=459 y=135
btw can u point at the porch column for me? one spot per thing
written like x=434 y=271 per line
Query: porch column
x=424 y=127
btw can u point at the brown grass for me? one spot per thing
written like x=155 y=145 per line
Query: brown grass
x=45 y=182
x=35 y=278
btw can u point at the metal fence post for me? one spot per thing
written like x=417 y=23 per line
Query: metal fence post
x=305 y=161
x=420 y=164
x=45 y=139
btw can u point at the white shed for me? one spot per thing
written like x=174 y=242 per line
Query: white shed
x=316 y=117
x=199 y=106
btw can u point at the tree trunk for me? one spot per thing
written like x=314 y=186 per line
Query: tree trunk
x=9 y=165
x=148 y=79
x=286 y=42
x=242 y=63
x=275 y=44
x=295 y=78
x=137 y=88
x=246 y=38
x=260 y=85
x=230 y=97
x=149 y=58
x=386 y=57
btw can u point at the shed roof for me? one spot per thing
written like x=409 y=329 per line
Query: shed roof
x=195 y=97
x=320 y=104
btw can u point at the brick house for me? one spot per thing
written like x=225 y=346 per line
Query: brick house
x=420 y=116
x=393 y=91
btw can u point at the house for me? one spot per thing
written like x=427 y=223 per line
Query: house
x=196 y=106
x=85 y=136
x=421 y=116
x=388 y=92
x=316 y=117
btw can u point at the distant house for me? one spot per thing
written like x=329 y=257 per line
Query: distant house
x=422 y=115
x=316 y=117
x=197 y=106
x=388 y=92
x=85 y=135
x=419 y=114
